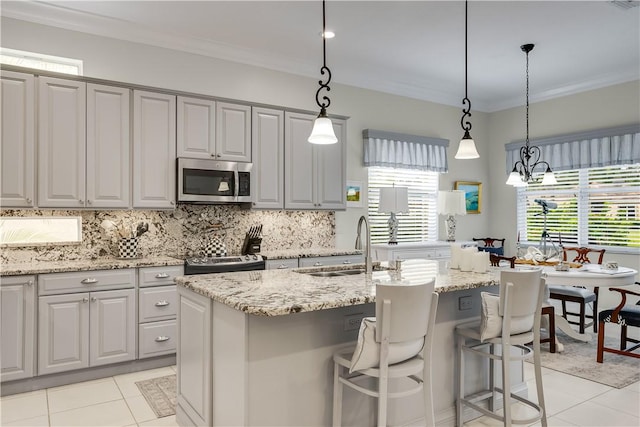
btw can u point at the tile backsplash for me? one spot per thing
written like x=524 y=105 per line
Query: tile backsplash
x=181 y=232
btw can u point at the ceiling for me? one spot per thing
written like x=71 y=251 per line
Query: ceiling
x=409 y=48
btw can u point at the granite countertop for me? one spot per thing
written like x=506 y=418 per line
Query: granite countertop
x=307 y=253
x=282 y=292
x=42 y=267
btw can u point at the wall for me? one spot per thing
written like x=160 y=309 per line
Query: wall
x=141 y=64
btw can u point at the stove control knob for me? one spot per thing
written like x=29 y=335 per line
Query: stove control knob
x=246 y=257
x=255 y=257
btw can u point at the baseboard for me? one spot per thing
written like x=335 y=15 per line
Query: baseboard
x=80 y=375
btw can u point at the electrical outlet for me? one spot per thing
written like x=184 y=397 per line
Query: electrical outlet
x=465 y=303
x=352 y=321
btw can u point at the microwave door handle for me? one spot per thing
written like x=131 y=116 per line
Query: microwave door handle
x=237 y=184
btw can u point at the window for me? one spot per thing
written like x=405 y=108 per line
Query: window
x=420 y=224
x=40 y=61
x=595 y=207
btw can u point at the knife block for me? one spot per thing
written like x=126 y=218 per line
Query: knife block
x=251 y=245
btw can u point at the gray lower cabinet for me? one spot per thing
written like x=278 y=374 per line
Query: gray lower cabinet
x=157 y=310
x=281 y=264
x=86 y=326
x=17 y=327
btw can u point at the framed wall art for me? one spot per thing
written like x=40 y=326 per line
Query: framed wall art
x=354 y=194
x=472 y=195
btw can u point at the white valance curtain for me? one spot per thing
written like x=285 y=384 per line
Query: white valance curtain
x=398 y=150
x=598 y=148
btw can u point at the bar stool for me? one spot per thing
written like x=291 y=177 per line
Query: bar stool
x=395 y=344
x=510 y=319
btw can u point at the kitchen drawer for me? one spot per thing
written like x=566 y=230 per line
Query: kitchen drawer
x=155 y=276
x=157 y=338
x=414 y=254
x=86 y=281
x=331 y=260
x=157 y=303
x=281 y=264
x=443 y=253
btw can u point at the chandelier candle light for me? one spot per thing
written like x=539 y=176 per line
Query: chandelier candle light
x=323 y=132
x=522 y=172
x=394 y=200
x=467 y=148
x=451 y=203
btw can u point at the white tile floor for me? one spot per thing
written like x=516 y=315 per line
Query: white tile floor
x=116 y=401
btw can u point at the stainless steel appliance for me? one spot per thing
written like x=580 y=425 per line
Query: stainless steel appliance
x=213 y=181
x=205 y=265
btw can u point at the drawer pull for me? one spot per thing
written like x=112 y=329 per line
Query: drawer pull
x=317 y=264
x=282 y=266
x=162 y=276
x=89 y=281
x=162 y=303
x=162 y=338
x=346 y=262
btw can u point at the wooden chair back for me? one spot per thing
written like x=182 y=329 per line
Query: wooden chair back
x=495 y=260
x=489 y=242
x=582 y=254
x=408 y=309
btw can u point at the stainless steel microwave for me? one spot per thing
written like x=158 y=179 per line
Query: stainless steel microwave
x=213 y=181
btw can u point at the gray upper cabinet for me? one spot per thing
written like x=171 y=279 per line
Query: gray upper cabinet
x=154 y=150
x=108 y=147
x=196 y=137
x=233 y=132
x=315 y=175
x=18 y=326
x=267 y=175
x=62 y=142
x=17 y=152
x=84 y=145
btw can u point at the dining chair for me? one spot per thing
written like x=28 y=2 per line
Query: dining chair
x=394 y=345
x=489 y=245
x=578 y=294
x=495 y=260
x=509 y=320
x=624 y=315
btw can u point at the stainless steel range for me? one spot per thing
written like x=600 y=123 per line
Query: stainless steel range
x=227 y=264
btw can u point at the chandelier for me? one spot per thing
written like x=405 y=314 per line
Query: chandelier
x=322 y=132
x=522 y=173
x=467 y=148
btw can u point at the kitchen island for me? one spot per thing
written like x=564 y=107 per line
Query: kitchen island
x=255 y=348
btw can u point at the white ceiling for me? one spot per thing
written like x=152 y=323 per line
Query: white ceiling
x=409 y=48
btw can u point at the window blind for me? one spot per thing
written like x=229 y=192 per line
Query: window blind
x=596 y=207
x=420 y=224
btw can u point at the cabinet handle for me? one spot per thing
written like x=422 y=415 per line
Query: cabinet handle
x=346 y=262
x=172 y=203
x=162 y=303
x=162 y=276
x=94 y=299
x=217 y=155
x=28 y=200
x=81 y=201
x=88 y=202
x=30 y=283
x=89 y=281
x=162 y=338
x=282 y=266
x=213 y=154
x=85 y=299
x=317 y=264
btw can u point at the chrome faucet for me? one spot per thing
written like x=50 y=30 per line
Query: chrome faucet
x=367 y=254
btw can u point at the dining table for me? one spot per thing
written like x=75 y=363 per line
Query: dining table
x=589 y=276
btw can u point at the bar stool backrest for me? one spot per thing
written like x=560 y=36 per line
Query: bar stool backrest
x=409 y=308
x=524 y=294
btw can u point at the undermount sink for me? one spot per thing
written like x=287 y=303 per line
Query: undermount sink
x=335 y=273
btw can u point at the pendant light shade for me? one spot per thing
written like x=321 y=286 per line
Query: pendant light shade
x=467 y=147
x=523 y=169
x=322 y=132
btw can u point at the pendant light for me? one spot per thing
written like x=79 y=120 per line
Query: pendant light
x=322 y=132
x=467 y=148
x=522 y=173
